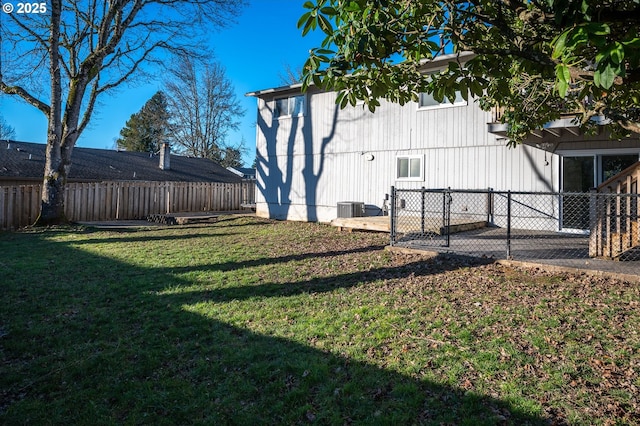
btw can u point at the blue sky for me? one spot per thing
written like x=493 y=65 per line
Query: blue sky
x=254 y=52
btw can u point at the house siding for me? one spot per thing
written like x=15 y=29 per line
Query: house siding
x=306 y=165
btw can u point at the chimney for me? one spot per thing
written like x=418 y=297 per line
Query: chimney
x=165 y=156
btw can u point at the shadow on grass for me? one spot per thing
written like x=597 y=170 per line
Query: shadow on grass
x=315 y=284
x=231 y=266
x=142 y=236
x=107 y=349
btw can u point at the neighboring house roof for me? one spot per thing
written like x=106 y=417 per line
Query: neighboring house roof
x=25 y=161
x=243 y=172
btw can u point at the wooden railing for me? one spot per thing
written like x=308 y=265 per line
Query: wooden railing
x=614 y=215
x=99 y=201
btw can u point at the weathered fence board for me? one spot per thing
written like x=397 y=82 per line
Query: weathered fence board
x=20 y=205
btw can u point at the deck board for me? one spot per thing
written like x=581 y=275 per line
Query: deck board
x=383 y=224
x=367 y=223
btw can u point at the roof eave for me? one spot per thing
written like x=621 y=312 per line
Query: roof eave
x=426 y=64
x=291 y=87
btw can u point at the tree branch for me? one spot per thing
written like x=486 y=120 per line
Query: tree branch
x=26 y=96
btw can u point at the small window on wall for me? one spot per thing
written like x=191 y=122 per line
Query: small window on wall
x=410 y=168
x=427 y=101
x=293 y=106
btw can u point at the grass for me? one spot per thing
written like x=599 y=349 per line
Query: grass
x=249 y=321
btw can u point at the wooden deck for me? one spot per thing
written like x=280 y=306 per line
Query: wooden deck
x=367 y=223
x=383 y=224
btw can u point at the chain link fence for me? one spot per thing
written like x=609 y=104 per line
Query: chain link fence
x=518 y=225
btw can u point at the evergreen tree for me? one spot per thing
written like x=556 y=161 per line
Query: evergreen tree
x=232 y=157
x=146 y=130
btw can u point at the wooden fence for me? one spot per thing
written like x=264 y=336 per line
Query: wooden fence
x=99 y=201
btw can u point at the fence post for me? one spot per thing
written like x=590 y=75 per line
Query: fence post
x=444 y=209
x=392 y=233
x=422 y=211
x=447 y=225
x=168 y=200
x=508 y=224
x=490 y=218
x=595 y=226
x=118 y=200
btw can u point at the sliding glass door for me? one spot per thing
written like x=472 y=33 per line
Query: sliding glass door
x=577 y=176
x=580 y=173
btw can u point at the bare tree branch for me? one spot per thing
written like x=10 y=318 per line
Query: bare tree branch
x=70 y=56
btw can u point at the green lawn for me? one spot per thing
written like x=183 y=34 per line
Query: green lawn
x=249 y=321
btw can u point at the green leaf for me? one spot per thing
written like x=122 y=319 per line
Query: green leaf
x=325 y=25
x=330 y=11
x=605 y=76
x=598 y=28
x=308 y=26
x=559 y=45
x=303 y=19
x=308 y=5
x=563 y=78
x=617 y=53
x=476 y=88
x=634 y=43
x=316 y=80
x=463 y=87
x=563 y=73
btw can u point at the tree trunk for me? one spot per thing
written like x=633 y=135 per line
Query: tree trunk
x=53 y=186
x=58 y=158
x=52 y=203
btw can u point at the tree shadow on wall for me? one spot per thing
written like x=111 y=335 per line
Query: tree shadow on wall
x=277 y=173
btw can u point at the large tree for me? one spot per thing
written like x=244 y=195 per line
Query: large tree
x=536 y=59
x=147 y=129
x=67 y=54
x=203 y=108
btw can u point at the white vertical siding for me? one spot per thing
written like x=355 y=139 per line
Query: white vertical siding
x=306 y=165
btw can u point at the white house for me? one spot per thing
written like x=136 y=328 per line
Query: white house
x=312 y=155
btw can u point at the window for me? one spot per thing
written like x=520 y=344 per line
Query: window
x=410 y=168
x=293 y=106
x=427 y=101
x=581 y=171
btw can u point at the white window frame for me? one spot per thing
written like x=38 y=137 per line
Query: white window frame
x=409 y=177
x=459 y=101
x=291 y=104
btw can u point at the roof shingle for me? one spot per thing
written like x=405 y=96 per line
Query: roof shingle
x=22 y=160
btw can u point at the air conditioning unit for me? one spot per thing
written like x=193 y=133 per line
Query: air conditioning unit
x=350 y=209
